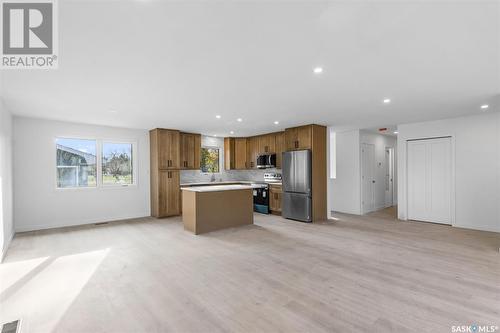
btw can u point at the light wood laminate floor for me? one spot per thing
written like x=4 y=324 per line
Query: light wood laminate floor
x=355 y=274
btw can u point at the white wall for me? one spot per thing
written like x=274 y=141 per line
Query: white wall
x=6 y=194
x=344 y=192
x=380 y=142
x=476 y=148
x=37 y=202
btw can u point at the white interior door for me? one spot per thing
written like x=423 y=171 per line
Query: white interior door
x=367 y=177
x=429 y=180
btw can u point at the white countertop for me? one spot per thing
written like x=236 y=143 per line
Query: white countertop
x=228 y=182
x=217 y=188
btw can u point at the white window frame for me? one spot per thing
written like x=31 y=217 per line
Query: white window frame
x=134 y=163
x=99 y=181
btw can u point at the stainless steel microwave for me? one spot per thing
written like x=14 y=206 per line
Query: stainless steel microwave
x=266 y=161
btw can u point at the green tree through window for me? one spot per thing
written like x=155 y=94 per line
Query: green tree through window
x=210 y=160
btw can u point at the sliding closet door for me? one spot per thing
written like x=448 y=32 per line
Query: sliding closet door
x=429 y=180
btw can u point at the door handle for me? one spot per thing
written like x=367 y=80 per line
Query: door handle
x=373 y=181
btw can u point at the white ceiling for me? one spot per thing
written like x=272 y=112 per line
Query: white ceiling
x=178 y=64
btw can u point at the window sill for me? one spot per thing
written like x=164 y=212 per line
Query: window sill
x=102 y=187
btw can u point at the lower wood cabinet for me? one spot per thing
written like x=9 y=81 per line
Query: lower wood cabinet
x=275 y=194
x=168 y=194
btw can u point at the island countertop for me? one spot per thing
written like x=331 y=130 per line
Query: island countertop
x=217 y=188
x=210 y=208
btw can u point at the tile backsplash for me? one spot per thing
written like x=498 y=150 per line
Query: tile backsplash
x=194 y=176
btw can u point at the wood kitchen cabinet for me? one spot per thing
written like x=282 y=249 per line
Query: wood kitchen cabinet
x=252 y=152
x=190 y=147
x=168 y=193
x=165 y=148
x=298 y=138
x=165 y=161
x=279 y=139
x=235 y=153
x=275 y=194
x=267 y=144
x=240 y=153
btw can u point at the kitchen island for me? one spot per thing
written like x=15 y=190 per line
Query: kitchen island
x=210 y=208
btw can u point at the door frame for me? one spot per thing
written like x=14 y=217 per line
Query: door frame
x=453 y=179
x=392 y=169
x=362 y=210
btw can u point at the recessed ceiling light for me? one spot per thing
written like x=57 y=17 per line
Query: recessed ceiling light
x=387 y=100
x=215 y=134
x=232 y=132
x=396 y=132
x=318 y=70
x=276 y=122
x=239 y=120
x=485 y=106
x=218 y=116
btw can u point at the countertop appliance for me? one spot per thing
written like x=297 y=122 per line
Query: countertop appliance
x=266 y=161
x=260 y=198
x=297 y=185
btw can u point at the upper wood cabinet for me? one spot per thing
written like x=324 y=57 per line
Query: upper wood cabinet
x=297 y=138
x=190 y=147
x=235 y=153
x=164 y=146
x=253 y=145
x=267 y=144
x=240 y=153
x=279 y=139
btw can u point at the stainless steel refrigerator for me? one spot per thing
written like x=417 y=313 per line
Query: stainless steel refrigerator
x=297 y=185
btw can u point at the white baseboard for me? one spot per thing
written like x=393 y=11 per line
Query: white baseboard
x=6 y=246
x=35 y=227
x=480 y=228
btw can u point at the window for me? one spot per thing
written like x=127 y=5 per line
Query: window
x=210 y=160
x=94 y=163
x=76 y=163
x=117 y=166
